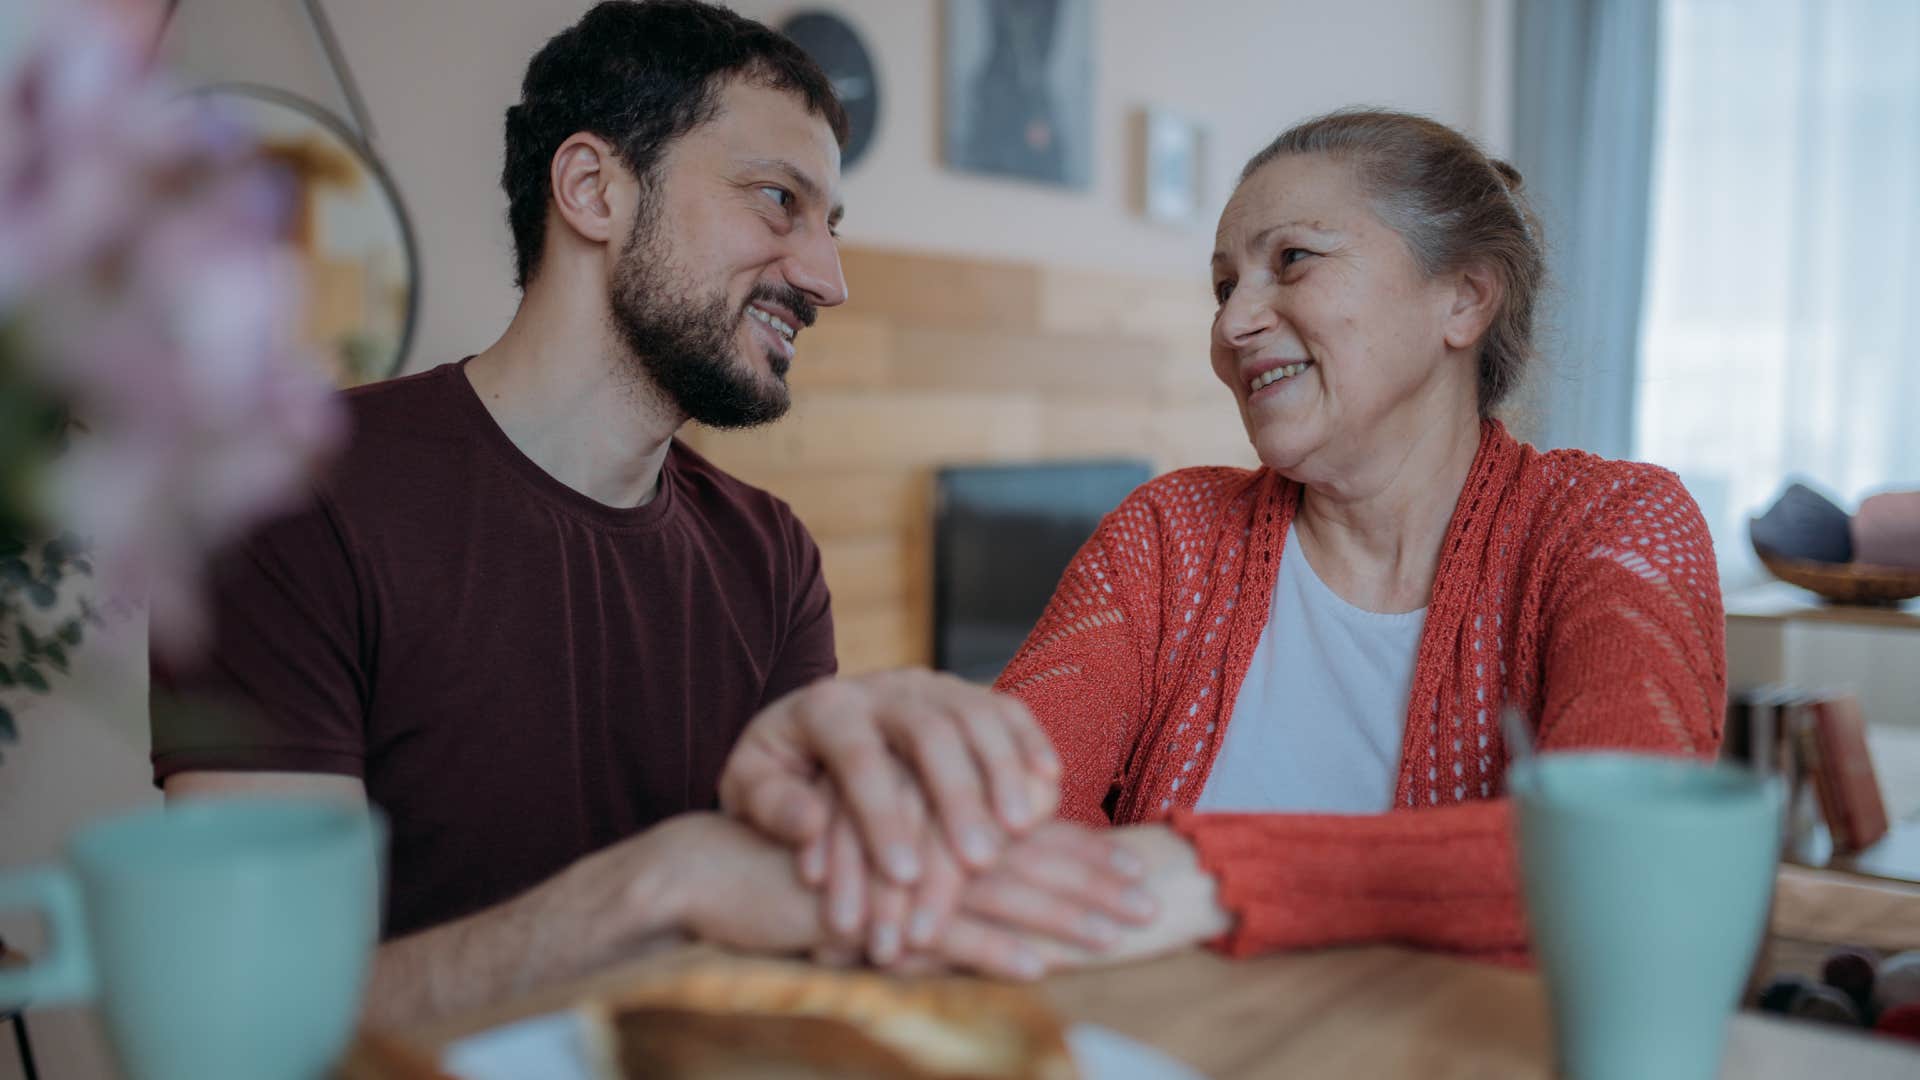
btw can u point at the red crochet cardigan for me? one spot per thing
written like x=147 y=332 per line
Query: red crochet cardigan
x=1579 y=589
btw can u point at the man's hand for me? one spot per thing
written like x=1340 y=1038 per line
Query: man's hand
x=978 y=758
x=698 y=875
x=731 y=886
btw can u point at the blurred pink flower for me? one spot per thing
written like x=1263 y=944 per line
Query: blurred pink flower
x=140 y=255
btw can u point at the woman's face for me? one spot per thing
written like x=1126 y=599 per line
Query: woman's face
x=1333 y=341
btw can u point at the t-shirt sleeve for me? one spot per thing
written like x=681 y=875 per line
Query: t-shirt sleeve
x=808 y=654
x=283 y=682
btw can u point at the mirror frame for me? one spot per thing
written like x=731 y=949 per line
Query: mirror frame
x=339 y=128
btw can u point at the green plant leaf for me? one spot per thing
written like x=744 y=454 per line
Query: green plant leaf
x=8 y=732
x=11 y=546
x=31 y=678
x=56 y=655
x=29 y=642
x=70 y=633
x=43 y=595
x=6 y=677
x=14 y=569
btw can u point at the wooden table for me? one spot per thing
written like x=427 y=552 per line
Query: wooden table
x=1374 y=1012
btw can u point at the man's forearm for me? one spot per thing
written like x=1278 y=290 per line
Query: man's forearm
x=608 y=906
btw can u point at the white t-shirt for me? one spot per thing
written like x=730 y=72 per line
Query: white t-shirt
x=1318 y=724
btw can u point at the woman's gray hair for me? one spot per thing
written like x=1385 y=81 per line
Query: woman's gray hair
x=1452 y=204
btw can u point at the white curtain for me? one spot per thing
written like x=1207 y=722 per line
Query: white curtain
x=1782 y=328
x=1585 y=94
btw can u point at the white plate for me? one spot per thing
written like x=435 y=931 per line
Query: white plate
x=553 y=1047
x=1105 y=1054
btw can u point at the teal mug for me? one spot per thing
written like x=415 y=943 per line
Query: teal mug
x=1648 y=880
x=223 y=938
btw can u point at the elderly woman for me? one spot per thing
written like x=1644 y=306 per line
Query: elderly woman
x=1288 y=682
x=1286 y=685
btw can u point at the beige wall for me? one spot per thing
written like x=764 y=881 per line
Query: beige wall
x=438 y=74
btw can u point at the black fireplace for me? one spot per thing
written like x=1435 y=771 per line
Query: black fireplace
x=1002 y=535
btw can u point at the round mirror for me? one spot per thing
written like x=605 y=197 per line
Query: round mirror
x=349 y=227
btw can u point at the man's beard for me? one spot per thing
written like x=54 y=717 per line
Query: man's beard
x=685 y=345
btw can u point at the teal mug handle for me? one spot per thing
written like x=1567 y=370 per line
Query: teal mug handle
x=66 y=974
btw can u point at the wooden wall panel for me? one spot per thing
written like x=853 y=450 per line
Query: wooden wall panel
x=938 y=290
x=842 y=351
x=875 y=639
x=838 y=430
x=1091 y=302
x=842 y=504
x=1027 y=362
x=872 y=571
x=939 y=360
x=1098 y=427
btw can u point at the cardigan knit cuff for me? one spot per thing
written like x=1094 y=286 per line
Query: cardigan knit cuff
x=1440 y=879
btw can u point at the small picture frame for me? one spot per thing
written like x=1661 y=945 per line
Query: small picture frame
x=1172 y=150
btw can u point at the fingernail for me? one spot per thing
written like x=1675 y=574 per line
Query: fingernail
x=1138 y=903
x=903 y=864
x=1101 y=929
x=1026 y=964
x=886 y=943
x=1126 y=862
x=921 y=927
x=846 y=913
x=977 y=844
x=813 y=864
x=1017 y=808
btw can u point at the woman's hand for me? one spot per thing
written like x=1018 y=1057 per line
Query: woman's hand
x=1062 y=882
x=1063 y=894
x=1003 y=928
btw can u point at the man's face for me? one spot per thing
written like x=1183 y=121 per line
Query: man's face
x=731 y=252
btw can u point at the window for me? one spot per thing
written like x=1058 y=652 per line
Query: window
x=1781 y=335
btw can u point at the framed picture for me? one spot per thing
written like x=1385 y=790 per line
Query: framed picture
x=1171 y=177
x=1019 y=89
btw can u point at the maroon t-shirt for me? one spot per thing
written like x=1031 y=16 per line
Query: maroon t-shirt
x=520 y=674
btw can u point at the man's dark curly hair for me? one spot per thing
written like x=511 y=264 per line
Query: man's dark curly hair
x=639 y=74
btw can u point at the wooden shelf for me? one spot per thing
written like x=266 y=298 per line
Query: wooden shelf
x=1778 y=602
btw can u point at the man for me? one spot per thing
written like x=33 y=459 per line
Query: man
x=530 y=626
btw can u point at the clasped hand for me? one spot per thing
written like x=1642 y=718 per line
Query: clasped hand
x=919 y=812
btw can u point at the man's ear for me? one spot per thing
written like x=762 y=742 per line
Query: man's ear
x=583 y=172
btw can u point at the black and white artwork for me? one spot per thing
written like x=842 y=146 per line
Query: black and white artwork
x=1019 y=89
